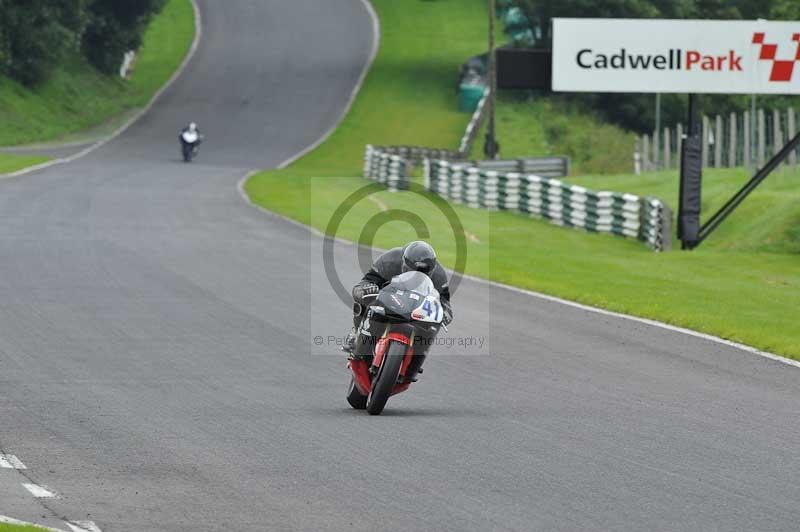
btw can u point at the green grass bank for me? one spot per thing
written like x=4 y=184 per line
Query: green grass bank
x=743 y=284
x=10 y=162
x=78 y=97
x=19 y=528
x=527 y=125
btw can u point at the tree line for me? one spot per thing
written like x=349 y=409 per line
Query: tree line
x=637 y=111
x=540 y=12
x=36 y=36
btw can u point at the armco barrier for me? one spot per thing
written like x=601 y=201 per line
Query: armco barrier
x=473 y=127
x=646 y=219
x=390 y=164
x=541 y=166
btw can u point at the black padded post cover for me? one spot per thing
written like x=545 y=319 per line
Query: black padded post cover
x=691 y=193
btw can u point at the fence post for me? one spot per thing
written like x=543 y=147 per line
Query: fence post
x=732 y=143
x=704 y=134
x=777 y=138
x=762 y=134
x=679 y=142
x=666 y=149
x=791 y=131
x=718 y=142
x=646 y=153
x=746 y=131
x=656 y=142
x=637 y=157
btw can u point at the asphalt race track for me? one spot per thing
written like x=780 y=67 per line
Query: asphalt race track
x=158 y=369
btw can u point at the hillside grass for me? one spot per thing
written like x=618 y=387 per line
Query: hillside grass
x=743 y=284
x=528 y=125
x=78 y=97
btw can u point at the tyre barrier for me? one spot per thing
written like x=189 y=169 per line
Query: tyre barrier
x=390 y=164
x=644 y=218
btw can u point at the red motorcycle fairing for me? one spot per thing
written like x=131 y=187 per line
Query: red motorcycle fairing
x=361 y=375
x=383 y=344
x=360 y=368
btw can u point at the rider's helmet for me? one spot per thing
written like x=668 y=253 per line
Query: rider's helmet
x=419 y=256
x=192 y=126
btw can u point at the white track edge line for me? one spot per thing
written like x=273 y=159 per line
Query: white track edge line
x=198 y=22
x=645 y=321
x=39 y=492
x=9 y=461
x=83 y=526
x=553 y=299
x=376 y=32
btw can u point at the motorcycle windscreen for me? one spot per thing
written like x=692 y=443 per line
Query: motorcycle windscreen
x=413 y=296
x=414 y=282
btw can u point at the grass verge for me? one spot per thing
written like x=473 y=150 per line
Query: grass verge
x=730 y=287
x=78 y=97
x=768 y=221
x=20 y=528
x=527 y=125
x=10 y=162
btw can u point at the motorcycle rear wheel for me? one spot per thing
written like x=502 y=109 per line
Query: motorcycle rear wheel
x=385 y=380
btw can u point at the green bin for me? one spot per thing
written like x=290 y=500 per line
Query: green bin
x=469 y=94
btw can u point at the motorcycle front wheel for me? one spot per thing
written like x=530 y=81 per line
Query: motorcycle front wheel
x=385 y=380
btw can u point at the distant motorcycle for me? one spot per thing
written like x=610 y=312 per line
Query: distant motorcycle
x=190 y=141
x=410 y=307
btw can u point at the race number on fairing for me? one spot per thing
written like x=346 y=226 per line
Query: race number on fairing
x=429 y=310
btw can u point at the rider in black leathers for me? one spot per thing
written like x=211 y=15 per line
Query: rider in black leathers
x=417 y=255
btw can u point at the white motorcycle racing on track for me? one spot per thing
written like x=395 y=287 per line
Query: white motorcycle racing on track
x=190 y=140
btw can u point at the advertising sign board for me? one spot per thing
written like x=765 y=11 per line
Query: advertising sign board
x=679 y=56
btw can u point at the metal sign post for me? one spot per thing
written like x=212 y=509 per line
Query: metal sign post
x=691 y=180
x=491 y=147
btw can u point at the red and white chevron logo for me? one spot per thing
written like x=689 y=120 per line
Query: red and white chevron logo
x=782 y=69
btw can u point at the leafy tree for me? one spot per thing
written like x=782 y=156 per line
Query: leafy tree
x=784 y=10
x=753 y=9
x=716 y=9
x=36 y=34
x=116 y=26
x=541 y=12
